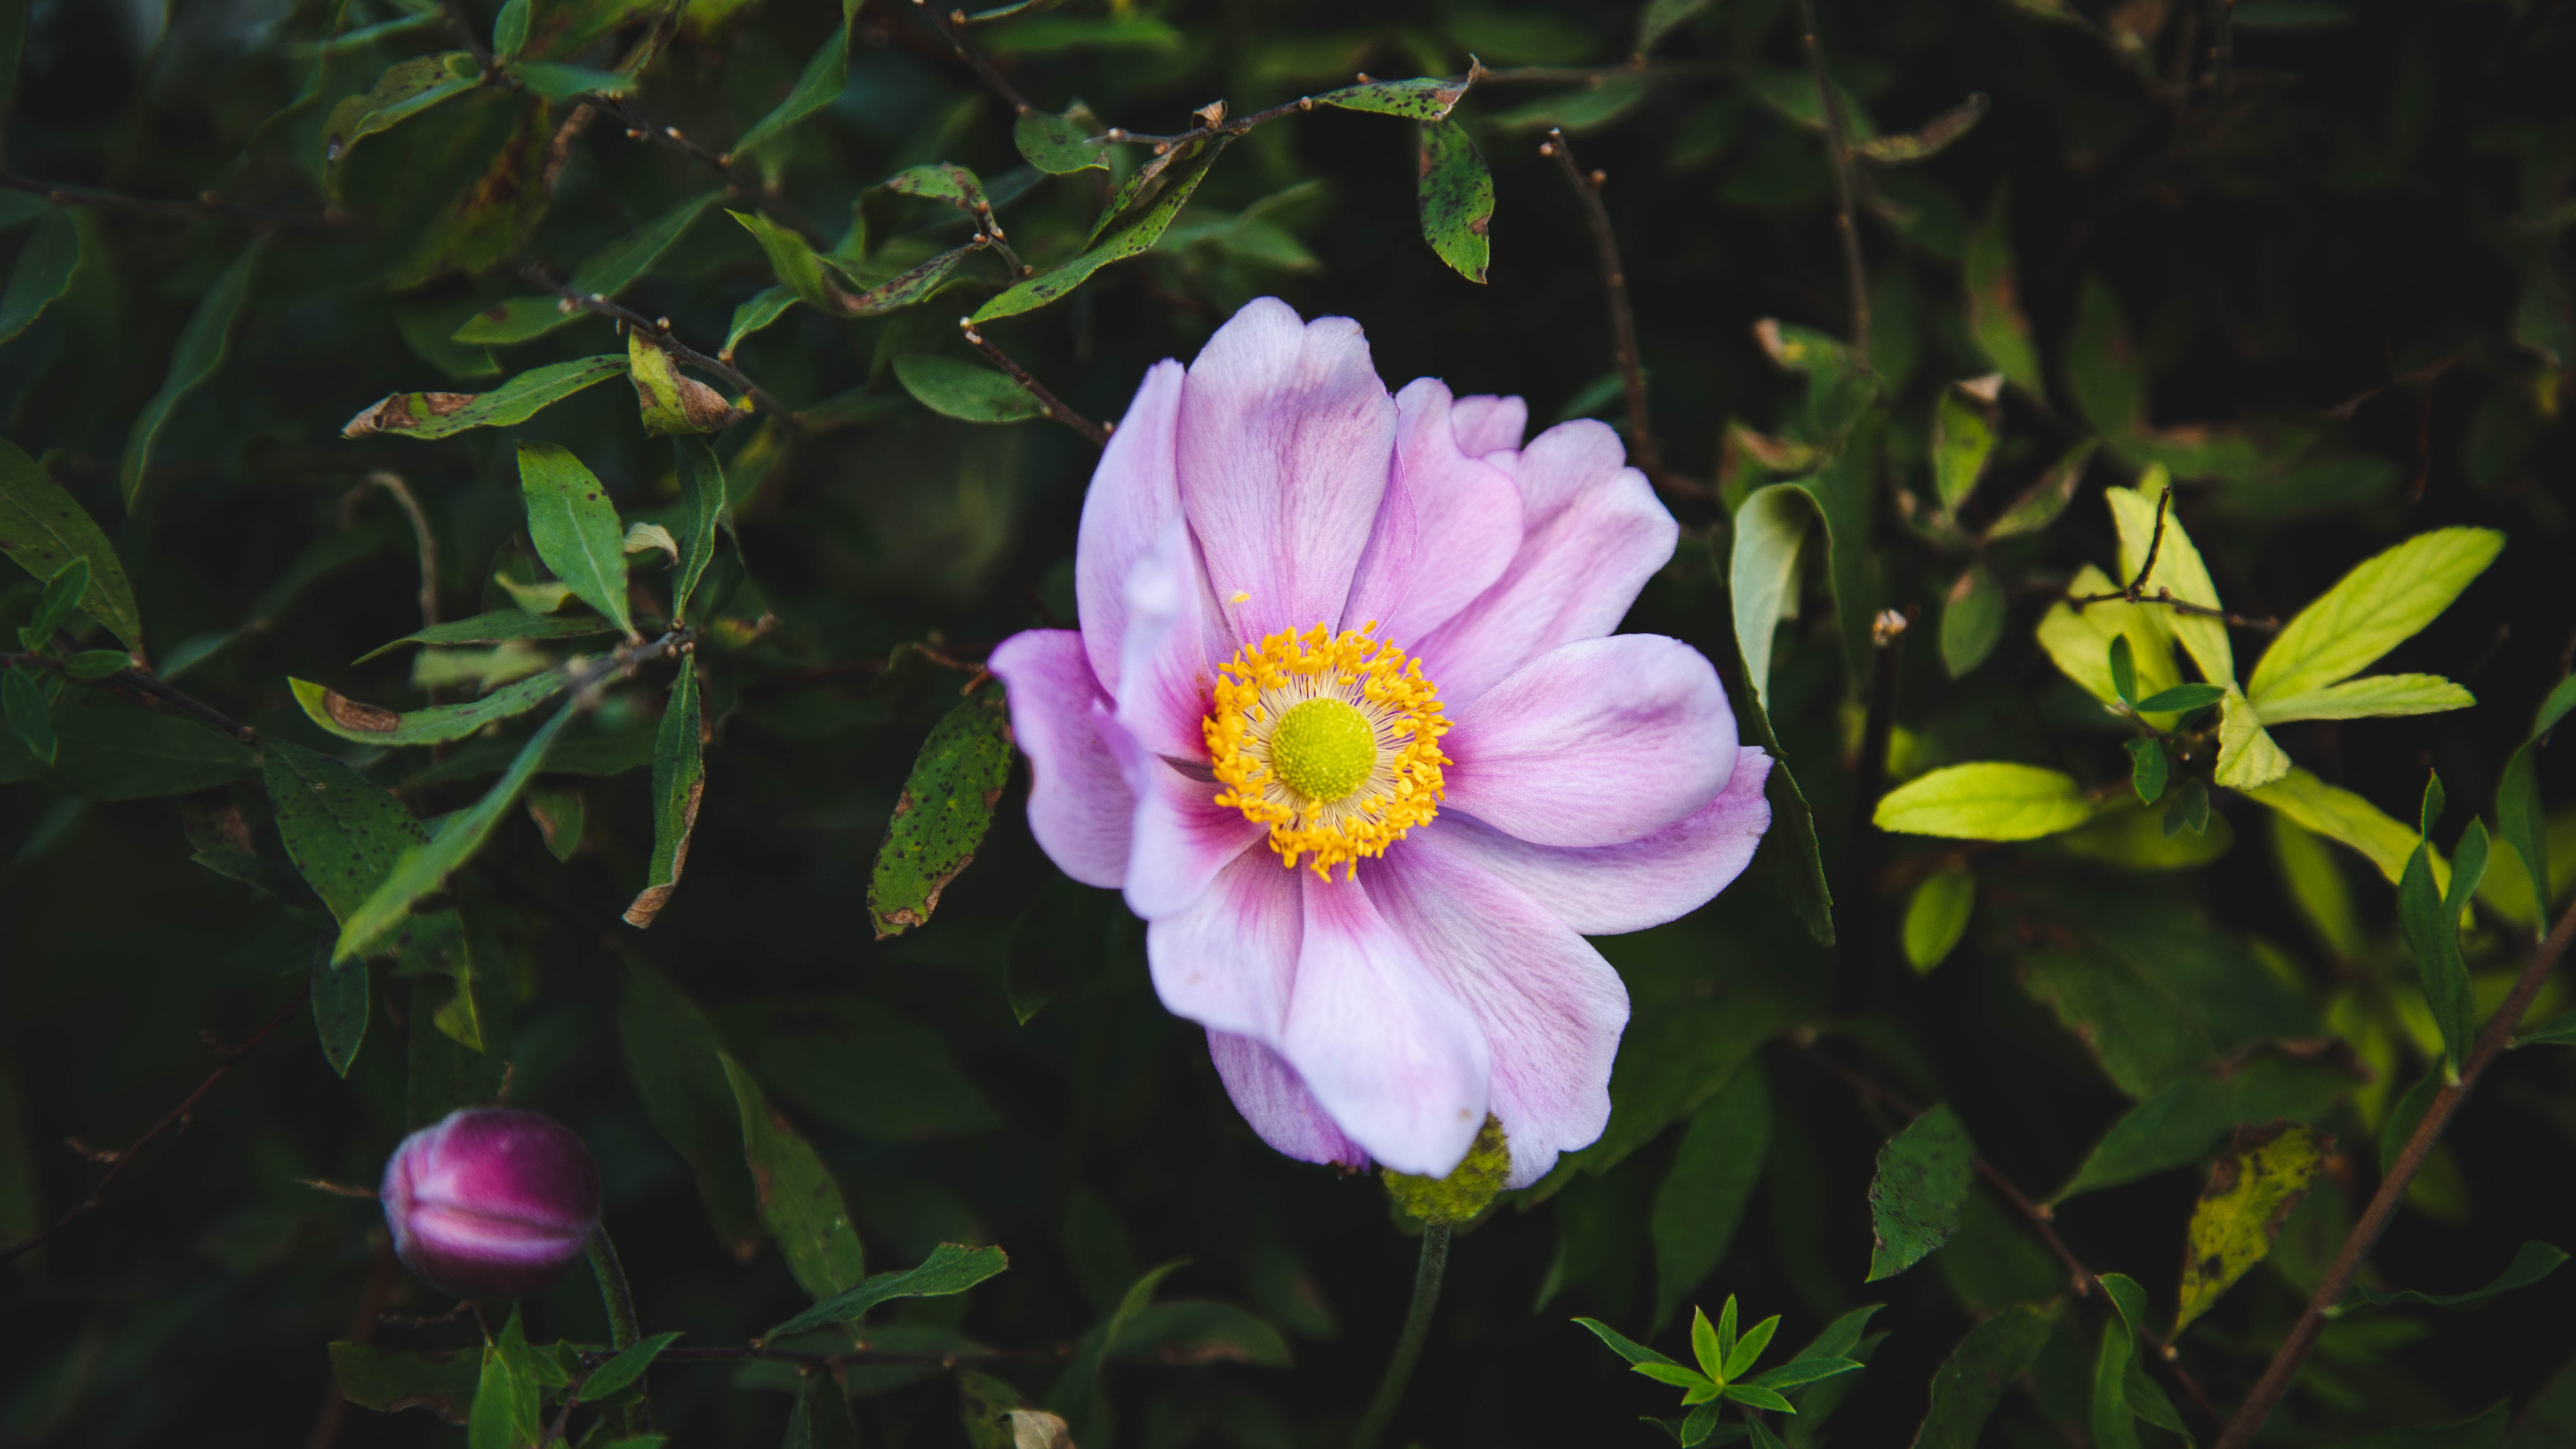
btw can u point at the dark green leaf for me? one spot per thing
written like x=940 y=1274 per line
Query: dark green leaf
x=826 y=73
x=2408 y=1113
x=862 y=1069
x=558 y=82
x=2559 y=1030
x=1456 y=197
x=1132 y=236
x=626 y=1368
x=1704 y=1193
x=1635 y=1353
x=1798 y=1372
x=1995 y=316
x=1963 y=439
x=97 y=663
x=1755 y=1396
x=672 y=1059
x=1972 y=620
x=43 y=274
x=30 y=718
x=2532 y=1262
x=2433 y=933
x=706 y=511
x=679 y=779
x=43 y=529
x=1077 y=1388
x=606 y=272
x=375 y=725
x=2102 y=364
x=1585 y=108
x=422 y=869
x=339 y=1008
x=1660 y=16
x=1923 y=1175
x=388 y=1380
x=2124 y=671
x=402 y=92
x=960 y=389
x=2148 y=768
x=1056 y=144
x=501 y=627
x=2114 y=1422
x=2179 y=698
x=2036 y=509
x=2519 y=816
x=558 y=813
x=2189 y=1119
x=341 y=831
x=575 y=528
x=1190 y=1331
x=200 y=351
x=110 y=750
x=1427 y=98
x=54 y=607
x=428 y=415
x=940 y=819
x=949 y=1269
x=765 y=307
x=2486 y=1431
x=446 y=1074
x=800 y=1204
x=1972 y=1380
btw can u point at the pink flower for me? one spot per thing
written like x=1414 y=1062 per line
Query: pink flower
x=490 y=1204
x=1369 y=636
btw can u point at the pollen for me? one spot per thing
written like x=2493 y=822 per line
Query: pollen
x=1331 y=740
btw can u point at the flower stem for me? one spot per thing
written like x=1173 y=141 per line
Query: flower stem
x=1417 y=1326
x=623 y=1327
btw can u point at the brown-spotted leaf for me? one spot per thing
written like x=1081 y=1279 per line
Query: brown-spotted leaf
x=800 y=1204
x=427 y=415
x=679 y=779
x=946 y=806
x=2252 y=1187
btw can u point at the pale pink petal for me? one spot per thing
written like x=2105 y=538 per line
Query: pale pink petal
x=1597 y=742
x=1449 y=525
x=1182 y=838
x=1135 y=493
x=1173 y=646
x=1607 y=889
x=1488 y=424
x=1285 y=435
x=1274 y=1100
x=1594 y=532
x=1080 y=808
x=1389 y=1054
x=1227 y=962
x=1551 y=1008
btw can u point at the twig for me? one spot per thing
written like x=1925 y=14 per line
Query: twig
x=2491 y=1042
x=2344 y=410
x=1837 y=137
x=1859 y=943
x=659 y=330
x=1518 y=75
x=2081 y=1278
x=141 y=681
x=952 y=24
x=2134 y=592
x=1048 y=403
x=206 y=205
x=176 y=1117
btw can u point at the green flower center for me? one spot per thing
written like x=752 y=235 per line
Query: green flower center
x=1323 y=749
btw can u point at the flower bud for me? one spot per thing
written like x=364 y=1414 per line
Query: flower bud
x=491 y=1204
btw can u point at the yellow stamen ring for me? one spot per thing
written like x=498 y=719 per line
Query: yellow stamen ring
x=1331 y=740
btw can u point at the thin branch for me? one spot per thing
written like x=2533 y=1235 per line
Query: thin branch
x=659 y=329
x=2134 y=592
x=140 y=681
x=953 y=25
x=176 y=1117
x=392 y=483
x=2155 y=540
x=1838 y=139
x=2491 y=1043
x=1048 y=403
x=1520 y=75
x=2042 y=1222
x=206 y=205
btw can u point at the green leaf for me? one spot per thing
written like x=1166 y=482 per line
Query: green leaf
x=343 y=832
x=388 y=1381
x=2182 y=698
x=575 y=528
x=765 y=307
x=940 y=819
x=1972 y=620
x=339 y=1008
x=2148 y=766
x=1770 y=528
x=200 y=351
x=109 y=750
x=606 y=272
x=2078 y=642
x=793 y=258
x=1455 y=196
x=679 y=780
x=1924 y=1173
x=959 y=389
x=2114 y=1423
x=626 y=1368
x=1972 y=1380
x=950 y=1269
x=1057 y=144
x=2519 y=814
x=2253 y=1186
x=2532 y=1262
x=43 y=530
x=2373 y=696
x=375 y=725
x=422 y=869
x=1706 y=1347
x=30 y=718
x=672 y=403
x=800 y=1204
x=1705 y=1192
x=1985 y=802
x=1748 y=1350
x=1927 y=140
x=2124 y=671
x=504 y=1415
x=708 y=511
x=2339 y=814
x=2187 y=1120
x=2102 y=366
x=1131 y=237
x=2431 y=918
x=941 y=181
x=1077 y=1388
x=97 y=663
x=1660 y=16
x=402 y=92
x=557 y=812
x=2559 y=1030
x=1635 y=1353
x=1197 y=1331
x=558 y=82
x=1757 y=1397
x=672 y=1057
x=428 y=415
x=1995 y=318
x=1936 y=916
x=826 y=73
x=502 y=626
x=1799 y=1372
x=2178 y=568
x=2247 y=758
x=43 y=274
x=2040 y=506
x=1963 y=439
x=2383 y=602
x=1426 y=98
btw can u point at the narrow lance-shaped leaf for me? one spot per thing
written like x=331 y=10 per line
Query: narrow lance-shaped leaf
x=502 y=626
x=28 y=715
x=343 y=831
x=826 y=73
x=2383 y=602
x=201 y=348
x=575 y=528
x=2431 y=919
x=626 y=1368
x=1928 y=140
x=424 y=868
x=1705 y=1192
x=940 y=819
x=1963 y=438
x=1456 y=196
x=1426 y=98
x=672 y=1057
x=1995 y=318
x=2519 y=816
x=2532 y=1262
x=339 y=1007
x=949 y=1269
x=43 y=529
x=428 y=415
x=405 y=90
x=2040 y=506
x=1131 y=238
x=1973 y=1379
x=2252 y=1188
x=375 y=725
x=63 y=593
x=43 y=274
x=679 y=777
x=956 y=388
x=800 y=1204
x=709 y=510
x=1924 y=1174
x=1985 y=802
x=605 y=272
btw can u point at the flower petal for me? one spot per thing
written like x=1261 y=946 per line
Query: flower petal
x=1285 y=436
x=1447 y=529
x=1274 y=1100
x=1181 y=837
x=1135 y=493
x=1080 y=808
x=1551 y=1008
x=1174 y=644
x=1597 y=742
x=1488 y=424
x=1228 y=960
x=1593 y=534
x=1389 y=1054
x=1608 y=889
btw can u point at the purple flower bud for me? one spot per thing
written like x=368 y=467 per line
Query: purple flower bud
x=491 y=1204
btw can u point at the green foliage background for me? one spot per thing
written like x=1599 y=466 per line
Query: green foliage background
x=2318 y=276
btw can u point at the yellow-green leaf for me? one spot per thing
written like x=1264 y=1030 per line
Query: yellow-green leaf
x=2382 y=603
x=1936 y=916
x=2374 y=696
x=2178 y=568
x=1985 y=802
x=2252 y=1187
x=2247 y=758
x=2079 y=641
